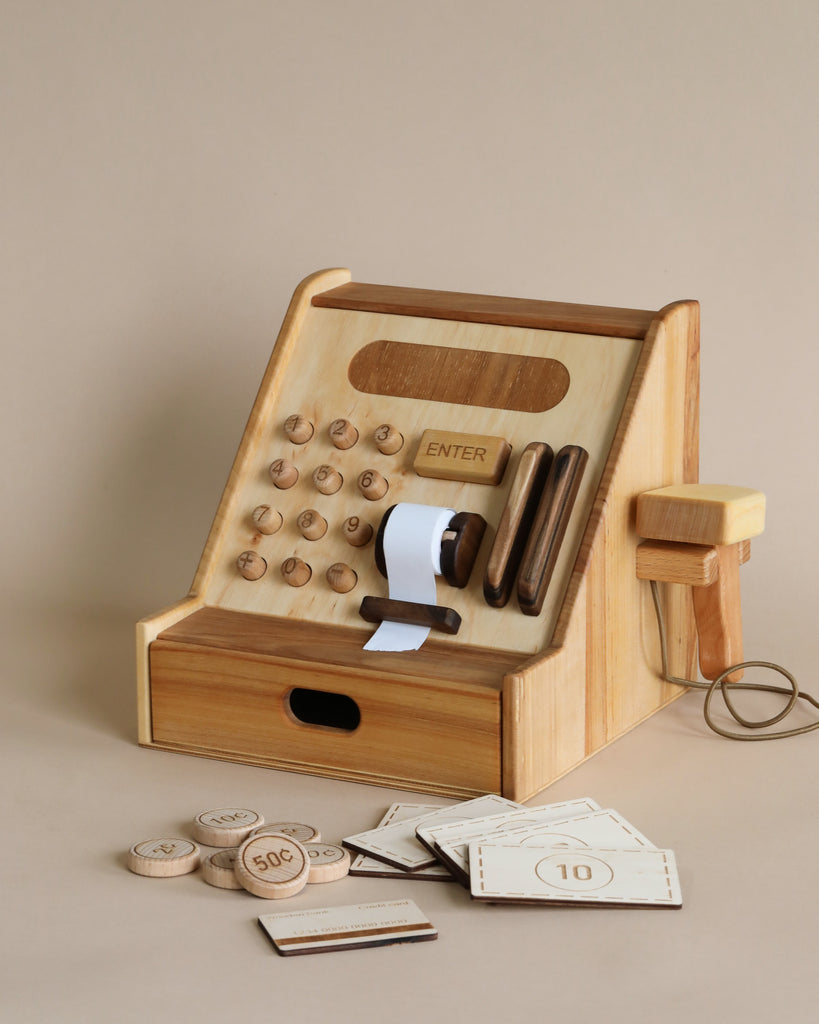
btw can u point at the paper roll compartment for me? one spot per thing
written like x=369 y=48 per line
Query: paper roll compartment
x=459 y=546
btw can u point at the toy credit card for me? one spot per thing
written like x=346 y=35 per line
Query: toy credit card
x=350 y=927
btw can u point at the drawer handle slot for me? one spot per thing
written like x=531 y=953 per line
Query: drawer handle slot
x=320 y=707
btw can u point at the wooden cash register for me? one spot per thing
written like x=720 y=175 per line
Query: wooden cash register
x=539 y=423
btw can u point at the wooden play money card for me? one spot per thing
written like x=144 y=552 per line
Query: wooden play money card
x=525 y=874
x=605 y=828
x=451 y=841
x=369 y=867
x=397 y=843
x=350 y=927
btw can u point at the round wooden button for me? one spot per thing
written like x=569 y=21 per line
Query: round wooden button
x=343 y=434
x=387 y=439
x=272 y=866
x=226 y=826
x=217 y=869
x=372 y=485
x=163 y=858
x=328 y=862
x=311 y=524
x=296 y=572
x=283 y=473
x=266 y=519
x=356 y=531
x=341 y=577
x=298 y=428
x=327 y=479
x=251 y=565
x=294 y=829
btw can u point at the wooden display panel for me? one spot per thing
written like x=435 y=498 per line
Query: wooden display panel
x=512 y=701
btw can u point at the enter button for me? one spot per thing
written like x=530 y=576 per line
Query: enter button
x=472 y=458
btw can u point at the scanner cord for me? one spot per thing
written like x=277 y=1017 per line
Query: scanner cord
x=721 y=684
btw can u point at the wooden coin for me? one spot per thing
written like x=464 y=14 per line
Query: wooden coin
x=295 y=829
x=272 y=866
x=226 y=826
x=328 y=862
x=217 y=869
x=163 y=858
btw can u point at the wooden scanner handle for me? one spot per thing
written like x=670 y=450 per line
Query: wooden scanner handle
x=698 y=534
x=549 y=526
x=516 y=523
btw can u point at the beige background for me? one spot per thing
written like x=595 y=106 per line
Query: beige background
x=170 y=172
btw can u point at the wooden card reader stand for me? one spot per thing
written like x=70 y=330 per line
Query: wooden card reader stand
x=538 y=424
x=700 y=535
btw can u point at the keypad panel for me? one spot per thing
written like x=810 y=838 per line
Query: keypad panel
x=323 y=461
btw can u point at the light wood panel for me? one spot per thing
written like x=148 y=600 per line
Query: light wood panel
x=262 y=410
x=147 y=631
x=312 y=382
x=694 y=565
x=601 y=675
x=701 y=514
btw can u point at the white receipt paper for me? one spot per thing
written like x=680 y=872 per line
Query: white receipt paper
x=412 y=553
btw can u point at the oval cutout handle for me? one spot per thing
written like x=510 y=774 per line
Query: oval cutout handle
x=324 y=709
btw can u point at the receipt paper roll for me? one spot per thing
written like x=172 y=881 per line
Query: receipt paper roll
x=412 y=553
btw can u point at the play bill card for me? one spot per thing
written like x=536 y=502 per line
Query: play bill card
x=397 y=843
x=451 y=841
x=351 y=927
x=369 y=867
x=606 y=828
x=525 y=874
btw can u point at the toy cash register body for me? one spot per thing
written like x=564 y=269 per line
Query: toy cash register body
x=376 y=397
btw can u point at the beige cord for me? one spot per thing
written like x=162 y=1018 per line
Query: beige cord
x=721 y=683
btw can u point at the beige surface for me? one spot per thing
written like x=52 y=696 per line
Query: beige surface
x=170 y=171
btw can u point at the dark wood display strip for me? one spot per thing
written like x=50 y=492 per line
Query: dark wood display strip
x=610 y=321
